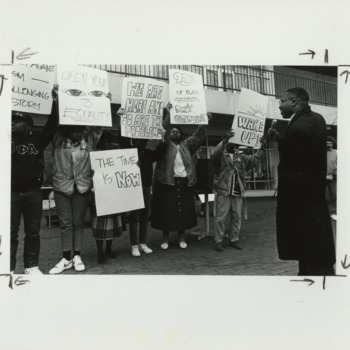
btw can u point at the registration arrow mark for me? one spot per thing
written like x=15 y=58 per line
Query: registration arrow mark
x=347 y=75
x=305 y=280
x=23 y=55
x=343 y=263
x=311 y=52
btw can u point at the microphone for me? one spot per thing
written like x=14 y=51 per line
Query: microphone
x=273 y=125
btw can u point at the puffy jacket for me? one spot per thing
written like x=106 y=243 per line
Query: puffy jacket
x=164 y=172
x=224 y=168
x=71 y=162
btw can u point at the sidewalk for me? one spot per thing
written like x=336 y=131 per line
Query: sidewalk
x=258 y=257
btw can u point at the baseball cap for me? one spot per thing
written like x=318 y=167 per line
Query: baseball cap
x=25 y=117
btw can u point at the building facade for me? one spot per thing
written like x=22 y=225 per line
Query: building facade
x=222 y=85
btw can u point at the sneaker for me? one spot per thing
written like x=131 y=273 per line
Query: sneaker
x=64 y=264
x=135 y=250
x=334 y=217
x=219 y=247
x=78 y=264
x=145 y=249
x=164 y=245
x=32 y=271
x=183 y=245
x=235 y=245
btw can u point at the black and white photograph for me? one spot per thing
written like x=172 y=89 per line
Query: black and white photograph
x=244 y=193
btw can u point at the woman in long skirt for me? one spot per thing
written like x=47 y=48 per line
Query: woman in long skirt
x=174 y=179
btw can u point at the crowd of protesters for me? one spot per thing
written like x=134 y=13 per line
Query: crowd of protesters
x=303 y=225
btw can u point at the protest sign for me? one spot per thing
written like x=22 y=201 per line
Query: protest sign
x=31 y=88
x=186 y=93
x=117 y=181
x=143 y=103
x=83 y=96
x=249 y=120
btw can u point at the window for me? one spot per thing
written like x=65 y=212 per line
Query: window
x=212 y=79
x=252 y=78
x=227 y=78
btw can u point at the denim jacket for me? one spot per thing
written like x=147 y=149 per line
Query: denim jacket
x=224 y=168
x=164 y=172
x=71 y=162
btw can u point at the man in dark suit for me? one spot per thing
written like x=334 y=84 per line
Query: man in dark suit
x=304 y=230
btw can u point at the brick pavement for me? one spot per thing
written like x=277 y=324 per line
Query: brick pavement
x=258 y=257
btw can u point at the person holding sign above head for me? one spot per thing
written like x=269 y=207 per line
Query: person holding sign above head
x=172 y=207
x=27 y=174
x=138 y=219
x=72 y=183
x=229 y=186
x=304 y=230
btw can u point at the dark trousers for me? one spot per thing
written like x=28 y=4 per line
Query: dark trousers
x=331 y=196
x=140 y=216
x=307 y=270
x=29 y=204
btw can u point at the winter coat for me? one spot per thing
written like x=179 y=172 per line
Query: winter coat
x=225 y=167
x=164 y=172
x=304 y=230
x=71 y=162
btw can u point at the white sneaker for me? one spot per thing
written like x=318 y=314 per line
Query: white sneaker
x=334 y=217
x=32 y=271
x=145 y=249
x=64 y=264
x=135 y=250
x=78 y=264
x=183 y=245
x=164 y=245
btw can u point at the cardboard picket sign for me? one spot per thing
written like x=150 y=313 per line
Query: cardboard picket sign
x=143 y=103
x=31 y=88
x=117 y=181
x=249 y=121
x=186 y=93
x=83 y=96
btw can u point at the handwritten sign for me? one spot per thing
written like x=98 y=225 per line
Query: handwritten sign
x=83 y=96
x=186 y=93
x=249 y=120
x=31 y=88
x=143 y=102
x=117 y=181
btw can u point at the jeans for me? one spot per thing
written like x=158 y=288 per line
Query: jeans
x=71 y=211
x=141 y=216
x=29 y=204
x=222 y=206
x=331 y=195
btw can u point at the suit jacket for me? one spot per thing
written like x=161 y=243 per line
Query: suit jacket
x=304 y=230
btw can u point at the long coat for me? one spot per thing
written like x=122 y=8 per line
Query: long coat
x=304 y=230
